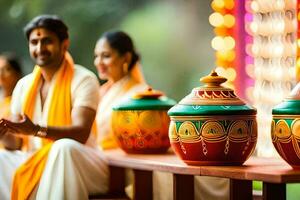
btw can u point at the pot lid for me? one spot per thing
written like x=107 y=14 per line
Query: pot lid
x=146 y=100
x=212 y=98
x=212 y=93
x=291 y=104
x=149 y=93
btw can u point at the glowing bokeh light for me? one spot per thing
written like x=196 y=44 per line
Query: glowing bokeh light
x=229 y=20
x=219 y=3
x=229 y=4
x=217 y=43
x=229 y=43
x=216 y=19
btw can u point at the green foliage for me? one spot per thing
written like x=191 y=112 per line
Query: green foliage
x=170 y=39
x=257 y=185
x=293 y=191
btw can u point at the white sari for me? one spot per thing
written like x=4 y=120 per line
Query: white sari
x=122 y=89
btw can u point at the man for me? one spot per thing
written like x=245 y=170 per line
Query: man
x=54 y=107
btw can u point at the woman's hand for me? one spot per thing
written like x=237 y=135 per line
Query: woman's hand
x=3 y=129
x=24 y=126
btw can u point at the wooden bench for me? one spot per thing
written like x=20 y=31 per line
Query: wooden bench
x=274 y=173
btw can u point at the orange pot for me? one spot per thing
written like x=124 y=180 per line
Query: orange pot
x=141 y=123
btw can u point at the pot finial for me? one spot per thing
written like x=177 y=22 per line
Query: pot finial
x=148 y=93
x=213 y=79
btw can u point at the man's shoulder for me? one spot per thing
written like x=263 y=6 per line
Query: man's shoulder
x=83 y=72
x=25 y=79
x=83 y=77
x=21 y=86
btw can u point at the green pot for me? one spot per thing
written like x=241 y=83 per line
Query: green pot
x=212 y=126
x=285 y=129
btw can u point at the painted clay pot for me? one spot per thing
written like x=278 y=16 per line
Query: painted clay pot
x=212 y=126
x=285 y=129
x=141 y=122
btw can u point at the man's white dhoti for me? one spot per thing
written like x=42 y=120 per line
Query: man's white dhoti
x=9 y=162
x=73 y=171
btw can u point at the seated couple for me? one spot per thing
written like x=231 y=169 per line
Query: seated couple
x=52 y=119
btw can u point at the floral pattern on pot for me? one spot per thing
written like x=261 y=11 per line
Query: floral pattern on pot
x=141 y=131
x=285 y=134
x=212 y=126
x=285 y=129
x=140 y=123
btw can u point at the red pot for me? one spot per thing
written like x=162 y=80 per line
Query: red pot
x=212 y=126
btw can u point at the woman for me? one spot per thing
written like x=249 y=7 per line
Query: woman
x=117 y=62
x=10 y=73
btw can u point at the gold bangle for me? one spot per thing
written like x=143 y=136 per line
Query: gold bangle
x=42 y=132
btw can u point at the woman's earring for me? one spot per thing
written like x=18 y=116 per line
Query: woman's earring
x=125 y=68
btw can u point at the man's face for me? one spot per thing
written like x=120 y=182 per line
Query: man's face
x=45 y=48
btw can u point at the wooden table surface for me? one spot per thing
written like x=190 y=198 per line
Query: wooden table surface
x=273 y=170
x=168 y=162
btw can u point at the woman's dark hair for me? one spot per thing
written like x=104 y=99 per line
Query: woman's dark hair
x=50 y=22
x=121 y=42
x=13 y=61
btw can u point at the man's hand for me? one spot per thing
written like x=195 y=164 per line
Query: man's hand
x=24 y=126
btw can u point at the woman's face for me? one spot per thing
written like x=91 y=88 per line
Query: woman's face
x=8 y=76
x=108 y=61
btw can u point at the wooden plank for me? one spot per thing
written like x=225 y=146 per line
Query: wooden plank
x=269 y=170
x=142 y=185
x=116 y=185
x=117 y=180
x=240 y=189
x=273 y=191
x=183 y=187
x=107 y=197
x=262 y=169
x=168 y=162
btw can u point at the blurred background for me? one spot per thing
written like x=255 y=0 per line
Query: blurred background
x=173 y=37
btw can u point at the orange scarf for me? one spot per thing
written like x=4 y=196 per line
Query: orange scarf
x=5 y=110
x=28 y=175
x=5 y=107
